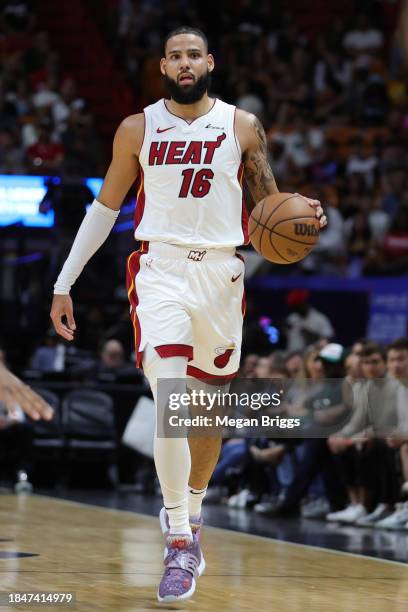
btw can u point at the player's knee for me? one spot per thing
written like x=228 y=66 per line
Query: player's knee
x=156 y=367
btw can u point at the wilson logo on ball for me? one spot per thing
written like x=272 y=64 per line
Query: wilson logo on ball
x=304 y=229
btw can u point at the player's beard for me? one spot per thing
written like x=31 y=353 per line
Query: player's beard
x=188 y=94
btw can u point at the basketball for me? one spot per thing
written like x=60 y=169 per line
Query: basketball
x=283 y=228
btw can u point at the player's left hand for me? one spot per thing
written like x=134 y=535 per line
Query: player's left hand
x=319 y=212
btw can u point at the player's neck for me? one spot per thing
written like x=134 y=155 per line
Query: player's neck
x=189 y=112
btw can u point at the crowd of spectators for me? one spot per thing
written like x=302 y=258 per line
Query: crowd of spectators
x=334 y=104
x=46 y=127
x=353 y=472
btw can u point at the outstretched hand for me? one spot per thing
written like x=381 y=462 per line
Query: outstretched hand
x=13 y=392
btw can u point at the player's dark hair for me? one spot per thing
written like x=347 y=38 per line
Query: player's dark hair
x=185 y=30
x=398 y=345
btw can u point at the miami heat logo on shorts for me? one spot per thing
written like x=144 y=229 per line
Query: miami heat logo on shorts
x=223 y=355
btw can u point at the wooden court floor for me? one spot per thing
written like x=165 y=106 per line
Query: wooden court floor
x=112 y=560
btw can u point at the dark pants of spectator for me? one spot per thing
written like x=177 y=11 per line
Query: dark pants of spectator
x=15 y=447
x=258 y=477
x=317 y=460
x=372 y=467
x=249 y=473
x=232 y=455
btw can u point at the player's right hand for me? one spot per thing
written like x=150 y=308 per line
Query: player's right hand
x=62 y=306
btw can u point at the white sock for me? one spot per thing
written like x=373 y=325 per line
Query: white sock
x=171 y=455
x=195 y=500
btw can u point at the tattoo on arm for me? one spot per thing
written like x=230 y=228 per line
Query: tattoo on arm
x=258 y=173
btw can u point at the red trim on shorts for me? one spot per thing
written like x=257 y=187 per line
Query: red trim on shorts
x=244 y=211
x=243 y=304
x=140 y=199
x=132 y=270
x=139 y=359
x=212 y=379
x=175 y=350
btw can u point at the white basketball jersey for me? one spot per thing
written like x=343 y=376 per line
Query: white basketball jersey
x=190 y=191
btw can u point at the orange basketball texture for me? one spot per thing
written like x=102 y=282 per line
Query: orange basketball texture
x=283 y=228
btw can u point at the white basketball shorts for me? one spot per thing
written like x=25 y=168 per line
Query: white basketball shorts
x=188 y=302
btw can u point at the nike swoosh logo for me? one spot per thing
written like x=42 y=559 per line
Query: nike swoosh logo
x=235 y=278
x=160 y=131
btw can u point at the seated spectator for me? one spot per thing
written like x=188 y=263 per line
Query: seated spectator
x=248 y=100
x=278 y=159
x=17 y=15
x=305 y=325
x=327 y=405
x=112 y=362
x=364 y=38
x=248 y=366
x=353 y=189
x=294 y=364
x=375 y=102
x=302 y=142
x=50 y=357
x=112 y=355
x=20 y=97
x=329 y=255
x=11 y=153
x=45 y=156
x=263 y=368
x=359 y=454
x=8 y=112
x=46 y=95
x=67 y=102
x=378 y=220
x=397 y=368
x=390 y=257
x=393 y=185
x=362 y=162
x=359 y=236
x=325 y=167
x=396 y=240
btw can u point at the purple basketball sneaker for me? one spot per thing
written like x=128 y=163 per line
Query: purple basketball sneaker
x=195 y=528
x=182 y=564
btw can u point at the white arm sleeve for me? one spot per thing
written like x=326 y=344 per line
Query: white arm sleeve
x=93 y=231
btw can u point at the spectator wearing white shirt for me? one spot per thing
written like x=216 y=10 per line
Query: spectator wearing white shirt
x=248 y=100
x=302 y=142
x=50 y=357
x=329 y=254
x=397 y=367
x=46 y=94
x=362 y=162
x=66 y=103
x=364 y=39
x=378 y=220
x=305 y=325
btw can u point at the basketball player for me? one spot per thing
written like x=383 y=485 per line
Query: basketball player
x=185 y=282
